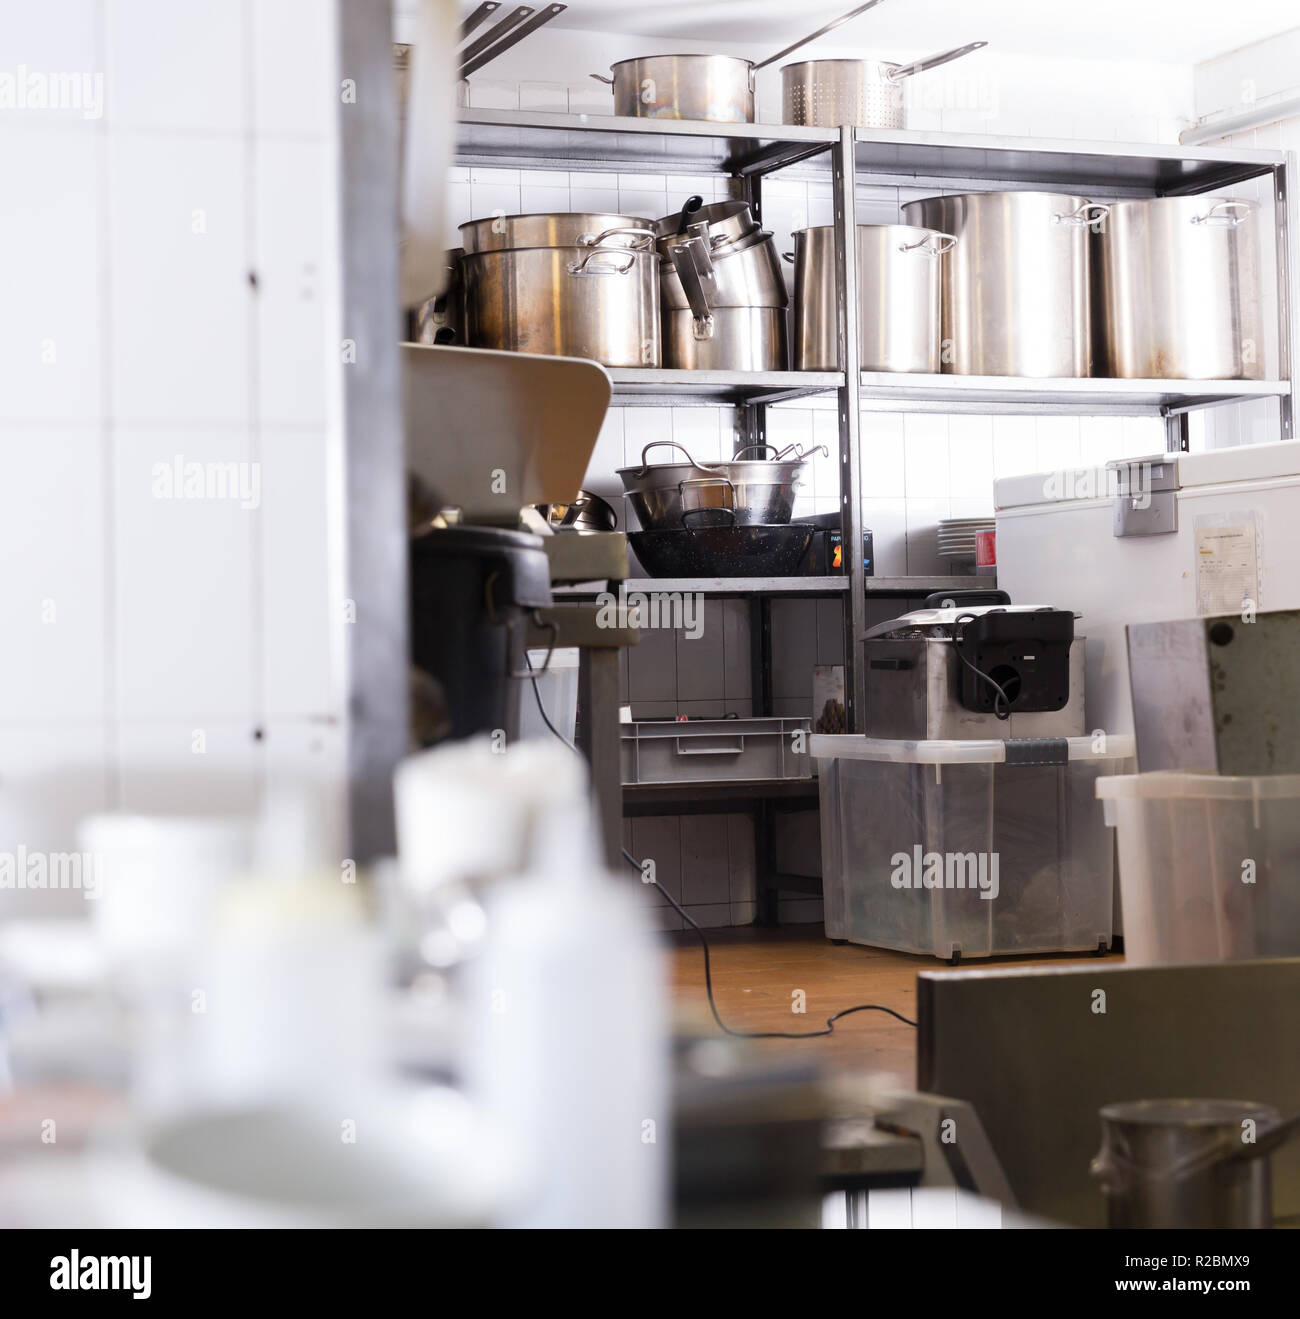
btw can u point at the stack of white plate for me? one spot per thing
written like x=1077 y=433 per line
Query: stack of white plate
x=957 y=539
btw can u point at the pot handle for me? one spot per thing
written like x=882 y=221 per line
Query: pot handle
x=595 y=240
x=821 y=32
x=600 y=77
x=686 y=262
x=933 y=61
x=1080 y=215
x=583 y=267
x=719 y=479
x=1222 y=215
x=928 y=246
x=670 y=444
x=788 y=256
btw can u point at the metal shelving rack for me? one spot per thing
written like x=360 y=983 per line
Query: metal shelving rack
x=745 y=154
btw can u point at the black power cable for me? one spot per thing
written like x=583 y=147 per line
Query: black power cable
x=704 y=943
x=1001 y=702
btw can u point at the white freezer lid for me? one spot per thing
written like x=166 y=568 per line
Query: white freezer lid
x=1243 y=462
x=978 y=751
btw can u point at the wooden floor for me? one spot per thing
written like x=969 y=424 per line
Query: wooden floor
x=757 y=971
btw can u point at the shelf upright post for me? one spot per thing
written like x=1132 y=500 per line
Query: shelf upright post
x=1286 y=213
x=850 y=418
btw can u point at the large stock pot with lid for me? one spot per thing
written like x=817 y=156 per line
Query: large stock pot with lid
x=570 y=285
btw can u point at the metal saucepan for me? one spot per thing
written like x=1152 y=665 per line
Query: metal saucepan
x=1016 y=298
x=899 y=298
x=739 y=492
x=726 y=253
x=556 y=229
x=1180 y=290
x=751 y=551
x=860 y=93
x=1188 y=1163
x=717 y=88
x=587 y=512
x=591 y=301
x=723 y=293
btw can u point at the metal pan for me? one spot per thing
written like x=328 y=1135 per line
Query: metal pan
x=859 y=93
x=757 y=551
x=714 y=88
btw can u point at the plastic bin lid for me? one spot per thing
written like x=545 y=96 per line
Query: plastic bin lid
x=1168 y=785
x=985 y=751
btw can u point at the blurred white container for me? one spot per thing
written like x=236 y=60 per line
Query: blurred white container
x=470 y=810
x=1207 y=865
x=158 y=878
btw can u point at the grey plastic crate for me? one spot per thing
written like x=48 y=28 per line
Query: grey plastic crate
x=735 y=750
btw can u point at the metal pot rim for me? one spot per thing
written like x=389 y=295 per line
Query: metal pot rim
x=636 y=220
x=1184 y=1112
x=909 y=228
x=693 y=55
x=1018 y=192
x=585 y=249
x=847 y=63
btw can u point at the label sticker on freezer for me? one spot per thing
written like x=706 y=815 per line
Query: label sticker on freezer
x=1227 y=563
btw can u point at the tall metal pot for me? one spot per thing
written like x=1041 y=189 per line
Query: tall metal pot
x=898 y=298
x=1179 y=290
x=1016 y=284
x=1188 y=1163
x=583 y=301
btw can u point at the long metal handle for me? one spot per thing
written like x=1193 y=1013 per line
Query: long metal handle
x=478 y=17
x=685 y=263
x=933 y=61
x=1221 y=214
x=510 y=35
x=494 y=34
x=821 y=32
x=600 y=77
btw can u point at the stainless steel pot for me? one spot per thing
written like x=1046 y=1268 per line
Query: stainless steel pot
x=741 y=492
x=724 y=296
x=717 y=88
x=1179 y=287
x=722 y=250
x=1015 y=286
x=580 y=301
x=1179 y=1163
x=728 y=339
x=860 y=93
x=500 y=233
x=899 y=301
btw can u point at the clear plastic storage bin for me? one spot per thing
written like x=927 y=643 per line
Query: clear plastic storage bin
x=1209 y=865
x=914 y=834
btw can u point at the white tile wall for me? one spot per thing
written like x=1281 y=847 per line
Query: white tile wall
x=167 y=654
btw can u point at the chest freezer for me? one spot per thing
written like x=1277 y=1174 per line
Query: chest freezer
x=1149 y=540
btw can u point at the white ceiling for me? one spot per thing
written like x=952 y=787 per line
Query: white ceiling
x=1174 y=31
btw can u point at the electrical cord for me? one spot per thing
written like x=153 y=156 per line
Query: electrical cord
x=1001 y=702
x=708 y=982
x=704 y=943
